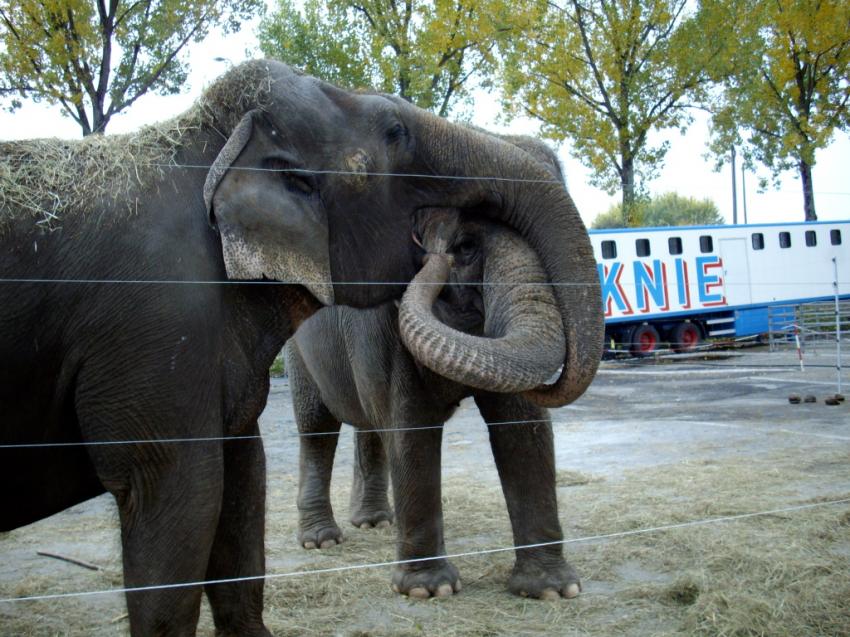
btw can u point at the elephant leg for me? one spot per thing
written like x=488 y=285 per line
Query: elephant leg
x=415 y=466
x=166 y=536
x=319 y=431
x=525 y=458
x=237 y=551
x=168 y=493
x=370 y=506
x=317 y=527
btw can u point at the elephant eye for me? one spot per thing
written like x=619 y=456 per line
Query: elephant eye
x=295 y=179
x=396 y=132
x=466 y=249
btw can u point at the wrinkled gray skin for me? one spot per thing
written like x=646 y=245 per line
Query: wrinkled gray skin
x=144 y=362
x=348 y=365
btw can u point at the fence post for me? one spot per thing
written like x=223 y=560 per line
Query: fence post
x=837 y=323
x=769 y=329
x=799 y=349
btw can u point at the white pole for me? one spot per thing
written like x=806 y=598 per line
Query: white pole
x=837 y=323
x=734 y=192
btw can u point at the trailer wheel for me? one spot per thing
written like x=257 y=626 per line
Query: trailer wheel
x=685 y=337
x=643 y=340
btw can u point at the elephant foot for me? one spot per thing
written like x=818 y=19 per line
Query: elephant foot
x=549 y=582
x=321 y=535
x=372 y=517
x=439 y=580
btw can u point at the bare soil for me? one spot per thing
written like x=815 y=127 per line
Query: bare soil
x=658 y=463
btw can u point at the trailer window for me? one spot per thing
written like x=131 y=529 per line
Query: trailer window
x=674 y=244
x=609 y=250
x=642 y=247
x=706 y=244
x=835 y=237
x=811 y=238
x=758 y=241
x=784 y=239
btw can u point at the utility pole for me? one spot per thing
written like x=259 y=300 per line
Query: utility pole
x=744 y=191
x=734 y=192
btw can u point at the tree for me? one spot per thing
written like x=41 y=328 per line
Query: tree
x=604 y=73
x=670 y=209
x=427 y=51
x=95 y=59
x=789 y=88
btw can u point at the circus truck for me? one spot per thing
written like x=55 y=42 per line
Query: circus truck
x=682 y=285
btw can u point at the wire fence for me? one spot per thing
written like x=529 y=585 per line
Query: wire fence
x=302 y=282
x=357 y=431
x=481 y=552
x=624 y=365
x=698 y=357
x=790 y=508
x=325 y=171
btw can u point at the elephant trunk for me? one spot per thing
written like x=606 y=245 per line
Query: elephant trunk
x=523 y=343
x=510 y=185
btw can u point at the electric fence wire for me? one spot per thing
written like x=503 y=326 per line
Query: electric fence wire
x=359 y=431
x=355 y=567
x=320 y=171
x=614 y=367
x=237 y=282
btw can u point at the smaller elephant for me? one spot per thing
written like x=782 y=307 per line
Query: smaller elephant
x=399 y=372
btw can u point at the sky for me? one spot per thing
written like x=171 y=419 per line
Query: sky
x=686 y=171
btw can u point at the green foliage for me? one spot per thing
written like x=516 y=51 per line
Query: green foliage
x=95 y=59
x=603 y=74
x=315 y=39
x=427 y=51
x=670 y=209
x=278 y=368
x=789 y=86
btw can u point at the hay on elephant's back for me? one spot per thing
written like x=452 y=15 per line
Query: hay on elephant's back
x=49 y=178
x=45 y=178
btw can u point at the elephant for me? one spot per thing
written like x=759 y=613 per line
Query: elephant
x=397 y=373
x=149 y=280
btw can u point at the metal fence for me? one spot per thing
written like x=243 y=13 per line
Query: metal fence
x=814 y=324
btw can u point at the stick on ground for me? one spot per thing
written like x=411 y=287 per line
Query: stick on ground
x=72 y=560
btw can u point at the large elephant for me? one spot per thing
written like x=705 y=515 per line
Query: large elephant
x=495 y=325
x=132 y=363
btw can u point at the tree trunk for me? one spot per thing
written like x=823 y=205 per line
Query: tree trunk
x=83 y=120
x=627 y=181
x=808 y=195
x=100 y=120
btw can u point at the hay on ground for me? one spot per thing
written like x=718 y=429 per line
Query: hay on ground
x=786 y=573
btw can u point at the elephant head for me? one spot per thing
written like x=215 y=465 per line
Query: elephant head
x=327 y=182
x=496 y=286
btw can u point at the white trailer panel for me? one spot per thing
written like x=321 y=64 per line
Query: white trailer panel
x=665 y=276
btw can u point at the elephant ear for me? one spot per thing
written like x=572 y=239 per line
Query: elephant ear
x=232 y=148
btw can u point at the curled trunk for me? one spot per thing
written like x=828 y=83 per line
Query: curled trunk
x=523 y=343
x=508 y=184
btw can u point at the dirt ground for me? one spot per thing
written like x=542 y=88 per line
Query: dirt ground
x=660 y=464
